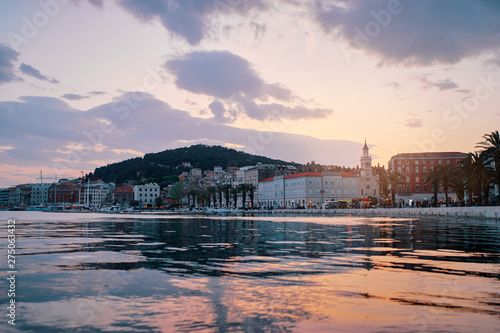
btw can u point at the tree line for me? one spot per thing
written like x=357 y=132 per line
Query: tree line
x=223 y=195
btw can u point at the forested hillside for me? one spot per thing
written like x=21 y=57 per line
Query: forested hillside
x=163 y=167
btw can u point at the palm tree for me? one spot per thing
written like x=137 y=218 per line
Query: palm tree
x=458 y=182
x=192 y=193
x=243 y=189
x=477 y=174
x=491 y=148
x=211 y=192
x=434 y=177
x=445 y=174
x=234 y=193
x=394 y=179
x=220 y=190
x=251 y=193
x=227 y=190
x=383 y=183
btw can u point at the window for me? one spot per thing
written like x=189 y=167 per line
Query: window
x=407 y=170
x=424 y=169
x=416 y=169
x=425 y=162
x=399 y=162
x=432 y=161
x=447 y=161
x=418 y=189
x=440 y=162
x=399 y=169
x=310 y=191
x=417 y=179
x=416 y=162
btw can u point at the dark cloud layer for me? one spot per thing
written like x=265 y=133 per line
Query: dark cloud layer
x=188 y=19
x=42 y=131
x=416 y=32
x=231 y=79
x=31 y=71
x=7 y=58
x=74 y=97
x=216 y=73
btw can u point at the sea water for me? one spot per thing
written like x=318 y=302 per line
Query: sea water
x=178 y=273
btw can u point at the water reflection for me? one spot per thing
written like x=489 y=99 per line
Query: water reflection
x=176 y=273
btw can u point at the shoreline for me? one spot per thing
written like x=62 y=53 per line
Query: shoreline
x=488 y=212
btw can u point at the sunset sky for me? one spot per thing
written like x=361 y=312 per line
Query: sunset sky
x=87 y=83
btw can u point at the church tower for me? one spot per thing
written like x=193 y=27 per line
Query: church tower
x=366 y=159
x=368 y=181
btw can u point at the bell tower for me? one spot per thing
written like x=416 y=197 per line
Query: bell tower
x=366 y=159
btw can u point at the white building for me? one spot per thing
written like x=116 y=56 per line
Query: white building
x=96 y=194
x=196 y=172
x=40 y=193
x=307 y=189
x=146 y=194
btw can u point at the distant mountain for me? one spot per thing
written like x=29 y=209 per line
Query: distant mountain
x=163 y=167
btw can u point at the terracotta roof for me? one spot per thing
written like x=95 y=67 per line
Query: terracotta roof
x=303 y=174
x=123 y=189
x=347 y=174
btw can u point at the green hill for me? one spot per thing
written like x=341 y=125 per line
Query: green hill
x=163 y=167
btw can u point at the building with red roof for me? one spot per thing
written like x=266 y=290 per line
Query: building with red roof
x=123 y=194
x=307 y=189
x=414 y=167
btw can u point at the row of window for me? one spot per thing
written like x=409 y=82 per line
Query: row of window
x=439 y=162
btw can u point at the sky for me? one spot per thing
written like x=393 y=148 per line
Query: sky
x=87 y=83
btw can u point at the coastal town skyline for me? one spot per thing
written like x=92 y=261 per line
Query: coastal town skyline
x=297 y=82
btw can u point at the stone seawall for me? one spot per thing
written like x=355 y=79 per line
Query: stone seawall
x=490 y=212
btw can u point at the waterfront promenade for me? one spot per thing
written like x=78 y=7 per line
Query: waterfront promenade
x=490 y=212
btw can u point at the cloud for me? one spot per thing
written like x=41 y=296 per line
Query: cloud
x=31 y=71
x=393 y=84
x=7 y=58
x=275 y=111
x=97 y=3
x=445 y=84
x=41 y=131
x=259 y=30
x=414 y=123
x=414 y=32
x=232 y=79
x=216 y=73
x=77 y=97
x=74 y=97
x=96 y=93
x=220 y=114
x=188 y=19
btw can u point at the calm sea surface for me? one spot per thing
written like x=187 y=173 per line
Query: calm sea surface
x=173 y=273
